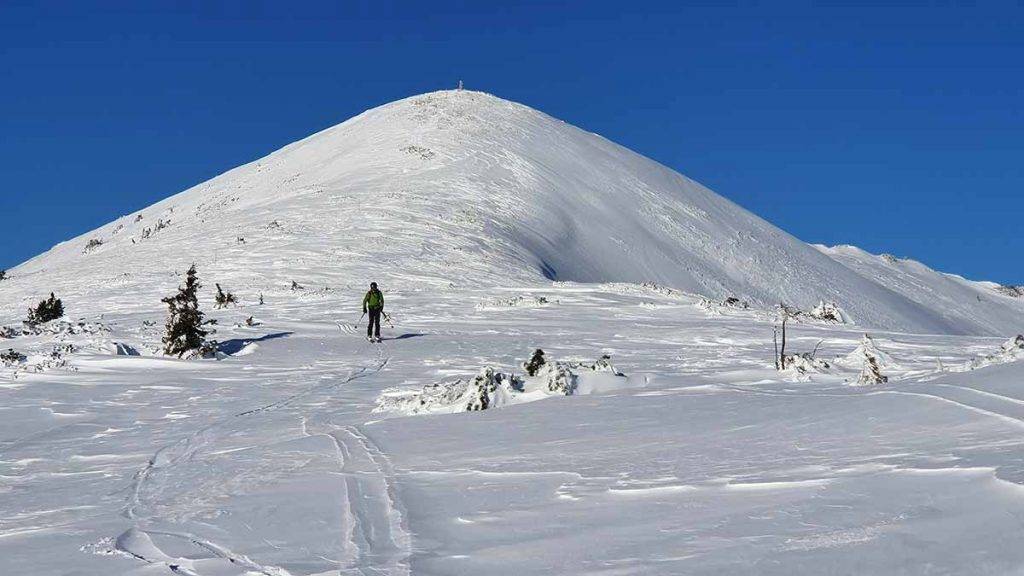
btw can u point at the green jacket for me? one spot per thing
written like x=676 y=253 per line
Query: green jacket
x=373 y=300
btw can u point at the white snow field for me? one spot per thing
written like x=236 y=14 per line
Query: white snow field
x=496 y=230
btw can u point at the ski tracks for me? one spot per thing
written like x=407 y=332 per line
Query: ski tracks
x=379 y=539
x=1009 y=410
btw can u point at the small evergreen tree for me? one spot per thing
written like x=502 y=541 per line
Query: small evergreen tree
x=224 y=298
x=185 y=332
x=3 y=274
x=49 y=309
x=534 y=364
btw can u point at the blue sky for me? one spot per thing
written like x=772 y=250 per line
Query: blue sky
x=895 y=127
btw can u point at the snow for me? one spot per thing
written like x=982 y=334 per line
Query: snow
x=495 y=230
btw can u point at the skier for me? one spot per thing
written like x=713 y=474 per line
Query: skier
x=373 y=303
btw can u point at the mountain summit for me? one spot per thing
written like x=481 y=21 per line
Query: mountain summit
x=461 y=188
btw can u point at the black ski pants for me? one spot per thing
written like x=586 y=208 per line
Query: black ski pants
x=373 y=328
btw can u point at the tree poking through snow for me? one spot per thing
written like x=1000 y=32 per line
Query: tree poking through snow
x=871 y=362
x=224 y=298
x=185 y=323
x=49 y=309
x=535 y=363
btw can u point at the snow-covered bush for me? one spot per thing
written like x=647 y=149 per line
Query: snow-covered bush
x=829 y=312
x=297 y=286
x=535 y=362
x=160 y=225
x=122 y=349
x=185 y=334
x=1010 y=351
x=872 y=372
x=49 y=309
x=224 y=298
x=3 y=274
x=12 y=357
x=519 y=301
x=870 y=359
x=92 y=245
x=734 y=302
x=804 y=363
x=1014 y=291
x=491 y=388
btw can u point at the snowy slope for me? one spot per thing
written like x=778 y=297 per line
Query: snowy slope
x=290 y=456
x=464 y=188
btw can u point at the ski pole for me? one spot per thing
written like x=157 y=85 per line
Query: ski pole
x=360 y=319
x=387 y=318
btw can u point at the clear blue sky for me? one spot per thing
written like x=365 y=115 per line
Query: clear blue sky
x=898 y=129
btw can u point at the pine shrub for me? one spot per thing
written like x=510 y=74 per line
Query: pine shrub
x=224 y=298
x=185 y=323
x=535 y=363
x=49 y=309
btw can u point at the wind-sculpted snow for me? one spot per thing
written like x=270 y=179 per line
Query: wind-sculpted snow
x=704 y=460
x=496 y=231
x=462 y=188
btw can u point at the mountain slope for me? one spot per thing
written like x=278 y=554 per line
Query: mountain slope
x=463 y=188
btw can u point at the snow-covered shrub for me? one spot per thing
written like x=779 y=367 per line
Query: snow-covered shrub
x=734 y=302
x=890 y=258
x=1009 y=351
x=49 y=309
x=829 y=312
x=185 y=334
x=804 y=363
x=8 y=332
x=160 y=225
x=1014 y=291
x=870 y=359
x=12 y=357
x=92 y=245
x=423 y=153
x=558 y=378
x=224 y=298
x=122 y=349
x=297 y=286
x=535 y=362
x=872 y=372
x=3 y=274
x=491 y=388
x=519 y=301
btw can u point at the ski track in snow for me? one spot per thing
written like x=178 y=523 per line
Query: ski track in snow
x=371 y=495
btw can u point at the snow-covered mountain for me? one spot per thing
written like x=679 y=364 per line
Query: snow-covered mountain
x=464 y=188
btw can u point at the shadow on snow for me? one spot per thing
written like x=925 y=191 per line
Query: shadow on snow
x=234 y=346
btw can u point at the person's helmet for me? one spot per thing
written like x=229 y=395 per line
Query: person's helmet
x=373 y=285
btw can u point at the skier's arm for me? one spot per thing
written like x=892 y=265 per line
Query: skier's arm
x=365 y=299
x=382 y=301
